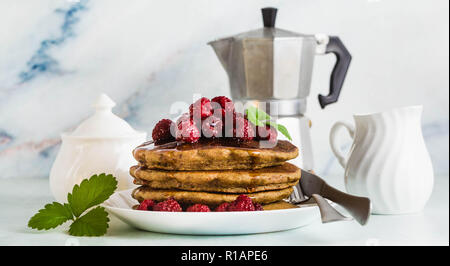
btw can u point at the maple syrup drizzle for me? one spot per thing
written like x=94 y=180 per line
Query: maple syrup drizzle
x=229 y=143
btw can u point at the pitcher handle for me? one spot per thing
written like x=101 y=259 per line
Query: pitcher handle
x=342 y=158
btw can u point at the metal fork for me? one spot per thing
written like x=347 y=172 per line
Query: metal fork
x=327 y=212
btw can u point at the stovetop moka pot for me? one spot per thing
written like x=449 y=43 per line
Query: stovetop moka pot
x=272 y=68
x=271 y=64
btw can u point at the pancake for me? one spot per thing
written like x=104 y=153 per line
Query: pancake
x=279 y=205
x=206 y=188
x=207 y=198
x=213 y=154
x=230 y=181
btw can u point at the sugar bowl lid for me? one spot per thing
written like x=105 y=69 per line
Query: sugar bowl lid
x=104 y=123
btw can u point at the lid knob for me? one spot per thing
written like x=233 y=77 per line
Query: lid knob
x=104 y=103
x=269 y=15
x=104 y=123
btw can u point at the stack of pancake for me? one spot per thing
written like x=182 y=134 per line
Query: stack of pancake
x=214 y=171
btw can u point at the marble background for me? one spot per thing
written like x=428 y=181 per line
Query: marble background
x=56 y=56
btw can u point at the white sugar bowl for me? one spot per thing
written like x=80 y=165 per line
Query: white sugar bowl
x=102 y=143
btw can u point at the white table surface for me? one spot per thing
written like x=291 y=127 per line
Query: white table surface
x=22 y=198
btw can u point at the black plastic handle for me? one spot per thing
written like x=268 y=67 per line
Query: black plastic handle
x=343 y=59
x=269 y=16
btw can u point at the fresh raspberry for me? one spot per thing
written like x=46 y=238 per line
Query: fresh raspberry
x=267 y=133
x=238 y=115
x=222 y=207
x=212 y=127
x=161 y=131
x=242 y=203
x=224 y=104
x=169 y=205
x=182 y=118
x=258 y=207
x=187 y=131
x=201 y=108
x=198 y=208
x=146 y=205
x=242 y=129
x=228 y=123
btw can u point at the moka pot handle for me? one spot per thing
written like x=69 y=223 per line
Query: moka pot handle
x=334 y=45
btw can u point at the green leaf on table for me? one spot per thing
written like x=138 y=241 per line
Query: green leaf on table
x=93 y=223
x=91 y=192
x=51 y=216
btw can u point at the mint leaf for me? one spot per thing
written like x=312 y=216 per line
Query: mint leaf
x=252 y=116
x=256 y=116
x=91 y=192
x=282 y=129
x=260 y=118
x=254 y=121
x=93 y=223
x=258 y=113
x=51 y=216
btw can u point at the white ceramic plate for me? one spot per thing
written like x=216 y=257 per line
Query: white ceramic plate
x=209 y=223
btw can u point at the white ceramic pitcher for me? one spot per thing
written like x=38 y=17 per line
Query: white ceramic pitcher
x=388 y=160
